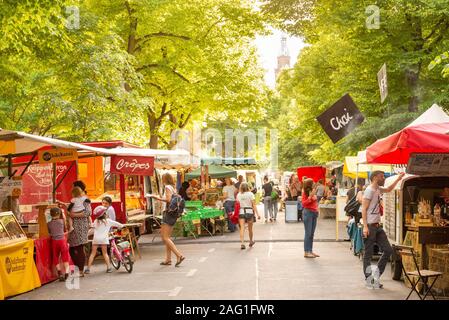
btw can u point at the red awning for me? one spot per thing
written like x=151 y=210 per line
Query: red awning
x=315 y=173
x=396 y=148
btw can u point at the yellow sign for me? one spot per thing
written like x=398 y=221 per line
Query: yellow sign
x=57 y=155
x=18 y=272
x=7 y=147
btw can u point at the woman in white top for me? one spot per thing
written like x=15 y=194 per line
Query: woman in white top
x=102 y=226
x=229 y=192
x=168 y=221
x=248 y=213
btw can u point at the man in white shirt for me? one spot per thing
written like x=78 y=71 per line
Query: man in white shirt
x=372 y=231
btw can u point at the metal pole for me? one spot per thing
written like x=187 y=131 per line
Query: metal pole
x=65 y=175
x=54 y=183
x=9 y=176
x=123 y=198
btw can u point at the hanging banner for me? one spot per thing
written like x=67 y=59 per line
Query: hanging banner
x=57 y=155
x=130 y=165
x=38 y=186
x=383 y=84
x=339 y=120
x=18 y=272
x=7 y=147
x=10 y=186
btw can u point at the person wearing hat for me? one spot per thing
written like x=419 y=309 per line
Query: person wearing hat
x=102 y=226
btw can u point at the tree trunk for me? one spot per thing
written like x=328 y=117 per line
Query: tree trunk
x=153 y=124
x=413 y=84
x=154 y=138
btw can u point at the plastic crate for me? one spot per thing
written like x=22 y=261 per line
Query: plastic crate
x=194 y=215
x=211 y=213
x=193 y=205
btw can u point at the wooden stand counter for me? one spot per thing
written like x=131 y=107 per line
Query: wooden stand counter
x=42 y=219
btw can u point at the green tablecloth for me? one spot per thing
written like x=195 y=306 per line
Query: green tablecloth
x=203 y=213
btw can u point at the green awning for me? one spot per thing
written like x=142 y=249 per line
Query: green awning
x=214 y=172
x=228 y=161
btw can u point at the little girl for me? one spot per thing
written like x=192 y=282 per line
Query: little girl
x=102 y=226
x=76 y=205
x=59 y=245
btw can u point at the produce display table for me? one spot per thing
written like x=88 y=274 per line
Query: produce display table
x=201 y=218
x=328 y=211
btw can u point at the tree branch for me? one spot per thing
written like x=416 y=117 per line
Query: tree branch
x=211 y=27
x=157 y=65
x=165 y=142
x=164 y=35
x=437 y=39
x=142 y=41
x=184 y=123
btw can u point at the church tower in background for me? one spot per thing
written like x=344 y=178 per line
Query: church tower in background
x=283 y=57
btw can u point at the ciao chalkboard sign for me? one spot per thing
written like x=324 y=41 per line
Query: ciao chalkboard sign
x=340 y=119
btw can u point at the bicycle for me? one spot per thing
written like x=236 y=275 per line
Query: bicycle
x=120 y=253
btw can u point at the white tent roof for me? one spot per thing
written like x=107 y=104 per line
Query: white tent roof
x=28 y=143
x=435 y=114
x=162 y=158
x=361 y=156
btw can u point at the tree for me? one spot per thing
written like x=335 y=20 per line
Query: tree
x=345 y=56
x=195 y=57
x=133 y=69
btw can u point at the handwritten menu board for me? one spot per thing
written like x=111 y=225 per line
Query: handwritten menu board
x=389 y=202
x=429 y=164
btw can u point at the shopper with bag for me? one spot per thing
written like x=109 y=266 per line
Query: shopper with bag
x=372 y=230
x=275 y=196
x=173 y=205
x=267 y=203
x=247 y=214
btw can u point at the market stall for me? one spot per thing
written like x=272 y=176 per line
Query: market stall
x=207 y=213
x=212 y=191
x=18 y=271
x=416 y=212
x=46 y=168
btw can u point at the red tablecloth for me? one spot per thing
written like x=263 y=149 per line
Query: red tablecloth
x=44 y=261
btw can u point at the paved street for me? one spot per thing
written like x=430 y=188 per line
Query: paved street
x=216 y=268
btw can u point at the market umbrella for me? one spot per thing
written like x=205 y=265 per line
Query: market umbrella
x=214 y=172
x=423 y=138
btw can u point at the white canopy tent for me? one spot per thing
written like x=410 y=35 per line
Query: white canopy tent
x=435 y=114
x=21 y=143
